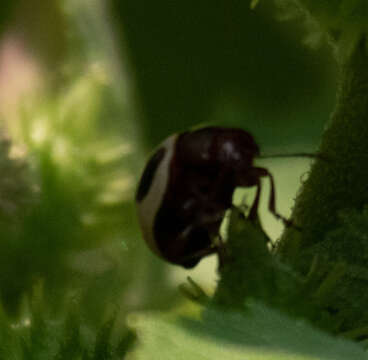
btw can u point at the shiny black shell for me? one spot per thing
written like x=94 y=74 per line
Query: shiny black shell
x=186 y=187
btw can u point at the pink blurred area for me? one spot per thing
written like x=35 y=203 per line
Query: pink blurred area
x=20 y=75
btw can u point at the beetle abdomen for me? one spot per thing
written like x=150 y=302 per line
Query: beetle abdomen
x=152 y=188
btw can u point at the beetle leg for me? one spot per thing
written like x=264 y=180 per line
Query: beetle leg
x=201 y=254
x=210 y=249
x=262 y=172
x=219 y=249
x=272 y=202
x=253 y=212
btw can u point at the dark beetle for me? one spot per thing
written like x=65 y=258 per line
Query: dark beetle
x=188 y=184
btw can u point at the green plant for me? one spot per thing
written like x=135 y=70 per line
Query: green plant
x=319 y=272
x=76 y=279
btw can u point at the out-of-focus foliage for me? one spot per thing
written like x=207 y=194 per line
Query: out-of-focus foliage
x=66 y=218
x=344 y=21
x=79 y=193
x=5 y=14
x=45 y=30
x=15 y=196
x=41 y=337
x=339 y=16
x=72 y=261
x=200 y=62
x=69 y=239
x=261 y=333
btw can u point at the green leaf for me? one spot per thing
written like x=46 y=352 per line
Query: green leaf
x=261 y=333
x=253 y=4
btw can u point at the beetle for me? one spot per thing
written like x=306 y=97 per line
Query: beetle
x=188 y=184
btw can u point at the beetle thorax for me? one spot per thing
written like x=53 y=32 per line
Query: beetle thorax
x=234 y=152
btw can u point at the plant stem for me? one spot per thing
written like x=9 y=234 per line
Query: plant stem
x=330 y=208
x=341 y=182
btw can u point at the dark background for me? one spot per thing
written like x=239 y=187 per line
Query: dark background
x=199 y=62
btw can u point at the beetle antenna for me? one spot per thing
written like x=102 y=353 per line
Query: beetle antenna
x=307 y=155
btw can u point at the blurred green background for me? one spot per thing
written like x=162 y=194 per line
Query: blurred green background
x=87 y=89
